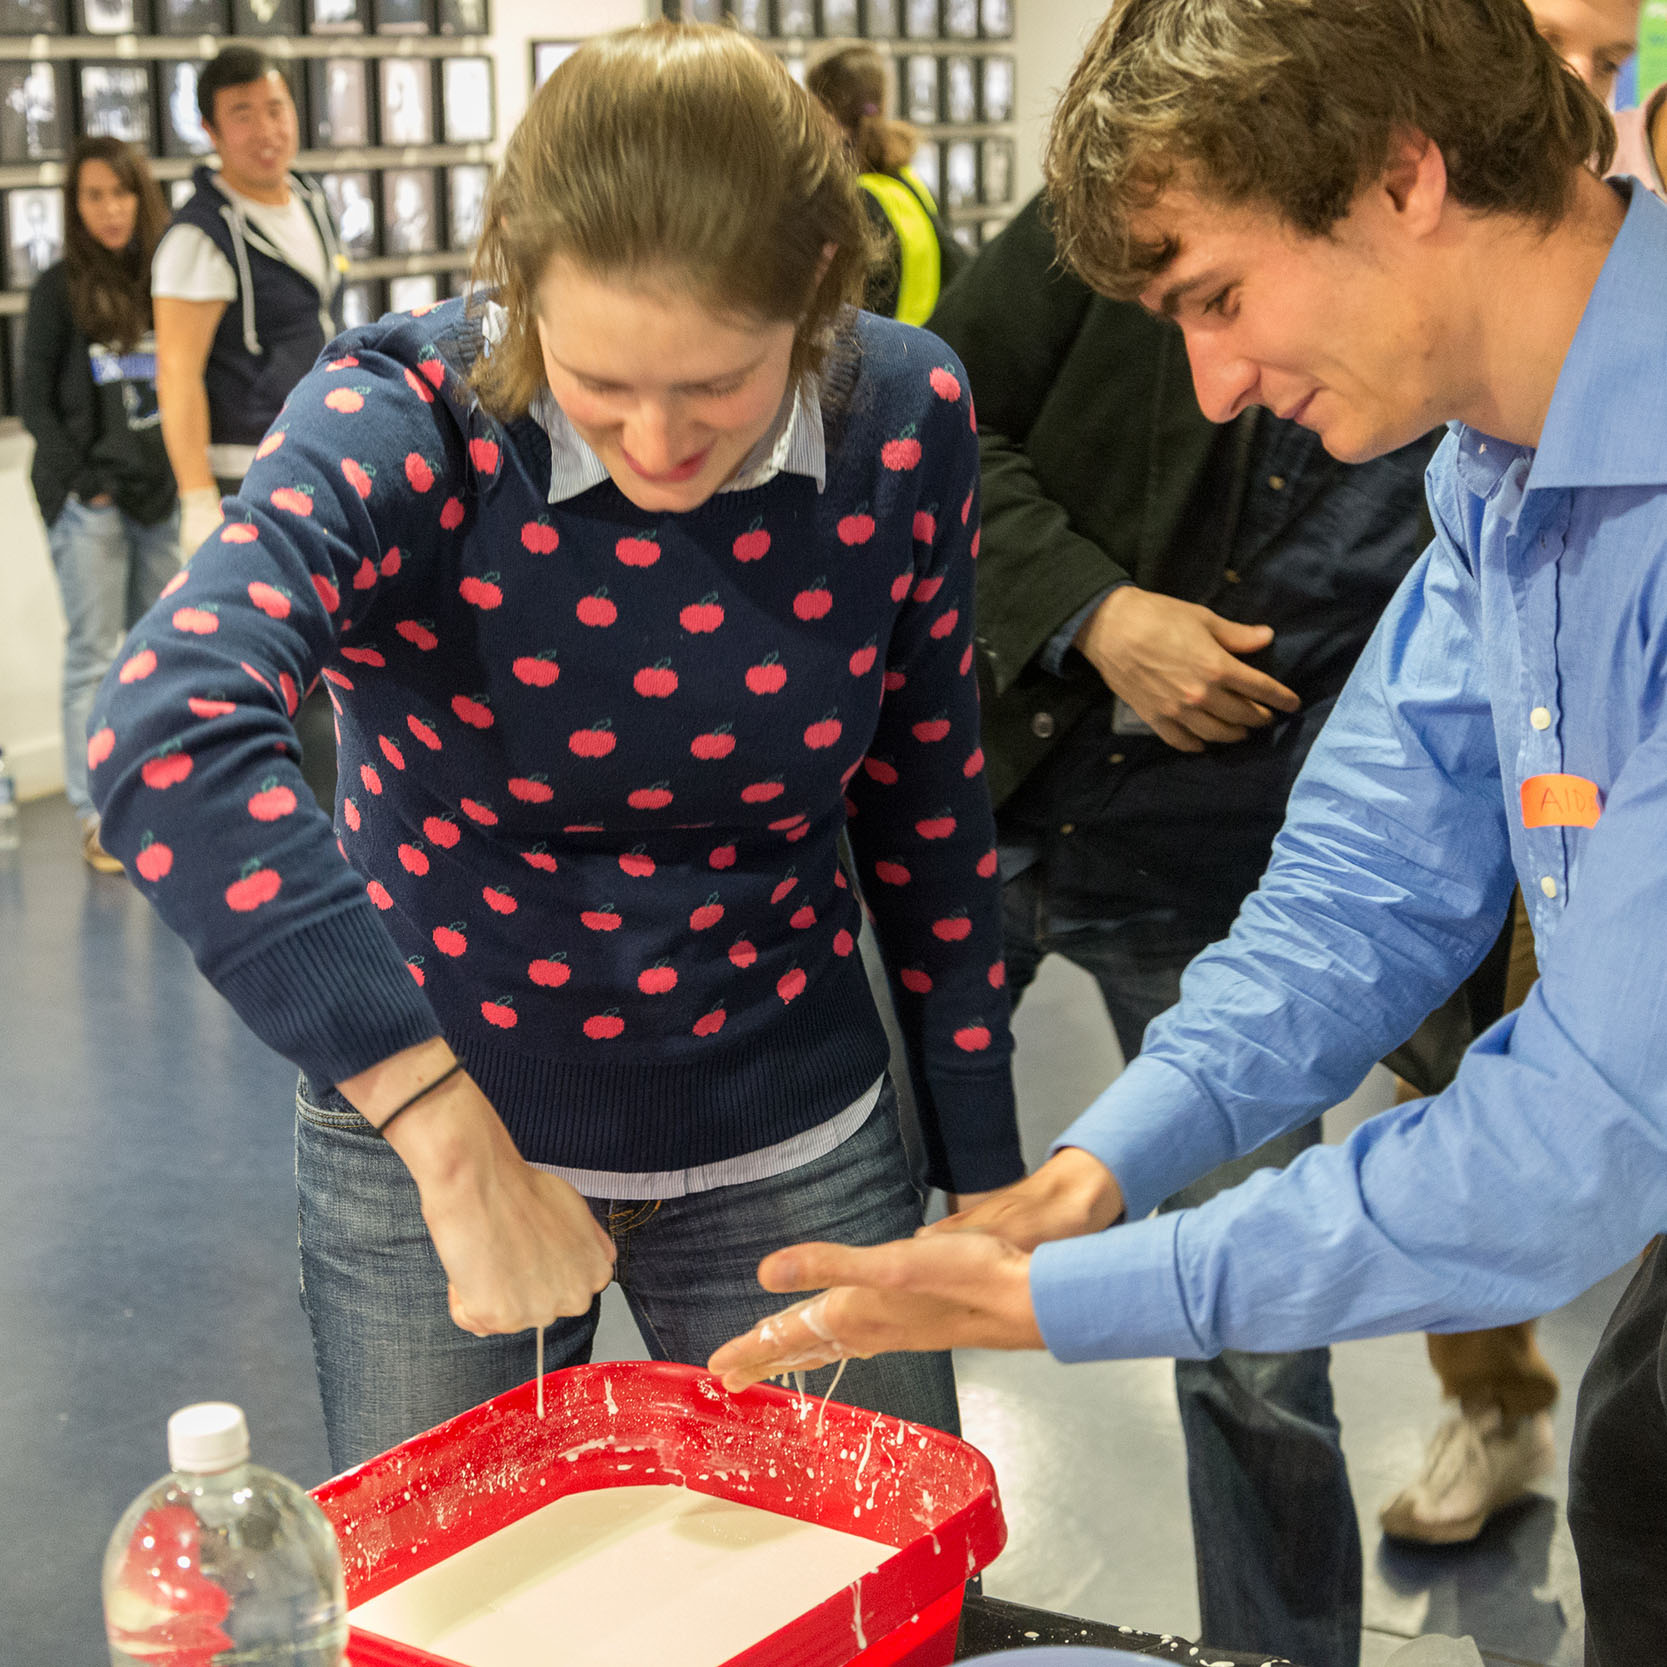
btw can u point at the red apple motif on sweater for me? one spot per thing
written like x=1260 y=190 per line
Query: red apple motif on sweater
x=753 y=544
x=199 y=622
x=414 y=859
x=271 y=601
x=327 y=593
x=596 y=609
x=481 y=592
x=418 y=386
x=761 y=792
x=481 y=813
x=500 y=1013
x=940 y=826
x=944 y=624
x=928 y=587
x=238 y=532
x=372 y=781
x=484 y=455
x=824 y=733
x=538 y=857
x=784 y=888
x=709 y=1024
x=997 y=974
x=657 y=980
x=390 y=752
x=551 y=971
x=843 y=942
x=451 y=940
x=391 y=563
x=768 y=677
x=878 y=769
x=472 y=710
x=723 y=856
x=538 y=670
x=814 y=601
x=707 y=915
x=499 y=901
x=856 y=528
x=347 y=401
x=604 y=1027
x=637 y=863
x=952 y=928
x=419 y=633
x=594 y=742
x=638 y=552
x=272 y=442
x=972 y=1038
x=945 y=384
x=656 y=682
x=931 y=729
x=925 y=526
x=901 y=454
x=531 y=790
x=916 y=980
x=742 y=954
x=702 y=617
x=862 y=662
x=99 y=746
x=273 y=801
x=414 y=964
x=297 y=500
x=441 y=831
x=791 y=984
x=204 y=706
x=357 y=476
x=257 y=885
x=605 y=919
x=802 y=918
x=379 y=894
x=155 y=861
x=539 y=537
x=974 y=763
x=891 y=873
x=428 y=736
x=656 y=797
x=451 y=514
x=900 y=585
x=364 y=575
x=713 y=743
x=987 y=864
x=167 y=769
x=350 y=815
x=418 y=471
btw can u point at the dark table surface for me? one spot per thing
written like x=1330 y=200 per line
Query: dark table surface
x=988 y=1624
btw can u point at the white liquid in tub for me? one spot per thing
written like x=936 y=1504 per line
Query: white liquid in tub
x=634 y=1574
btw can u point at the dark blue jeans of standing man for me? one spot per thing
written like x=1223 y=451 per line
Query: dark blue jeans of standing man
x=1273 y=1521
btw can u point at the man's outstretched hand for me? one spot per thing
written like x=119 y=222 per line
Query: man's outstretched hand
x=951 y=1291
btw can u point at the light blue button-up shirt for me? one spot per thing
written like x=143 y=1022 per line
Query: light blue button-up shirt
x=1530 y=640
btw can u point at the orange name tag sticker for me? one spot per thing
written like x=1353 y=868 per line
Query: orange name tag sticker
x=1560 y=802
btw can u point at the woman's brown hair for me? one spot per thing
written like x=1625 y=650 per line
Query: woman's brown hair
x=852 y=83
x=674 y=153
x=1293 y=105
x=109 y=290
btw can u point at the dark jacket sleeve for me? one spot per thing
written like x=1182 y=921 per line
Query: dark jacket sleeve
x=1014 y=317
x=49 y=335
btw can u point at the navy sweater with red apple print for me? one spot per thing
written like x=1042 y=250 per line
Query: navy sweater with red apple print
x=594 y=764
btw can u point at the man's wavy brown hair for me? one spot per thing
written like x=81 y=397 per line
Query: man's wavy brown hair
x=1293 y=105
x=675 y=152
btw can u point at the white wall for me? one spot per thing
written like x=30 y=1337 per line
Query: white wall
x=1049 y=36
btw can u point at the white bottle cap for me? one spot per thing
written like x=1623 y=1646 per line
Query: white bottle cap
x=207 y=1437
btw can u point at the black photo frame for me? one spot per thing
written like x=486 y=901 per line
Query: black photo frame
x=112 y=17
x=548 y=57
x=266 y=17
x=882 y=20
x=338 y=17
x=404 y=17
x=183 y=133
x=351 y=194
x=920 y=20
x=468 y=101
x=116 y=100
x=338 y=98
x=995 y=171
x=960 y=89
x=410 y=211
x=405 y=101
x=960 y=173
x=997 y=87
x=414 y=290
x=34 y=111
x=465 y=17
x=34 y=233
x=34 y=17
x=466 y=187
x=362 y=302
x=191 y=17
x=918 y=88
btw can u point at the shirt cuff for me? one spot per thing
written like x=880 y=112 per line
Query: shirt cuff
x=1052 y=657
x=1150 y=1130
x=1114 y=1295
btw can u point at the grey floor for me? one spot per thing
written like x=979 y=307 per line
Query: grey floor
x=147 y=1252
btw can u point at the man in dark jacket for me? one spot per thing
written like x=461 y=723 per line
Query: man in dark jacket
x=1167 y=611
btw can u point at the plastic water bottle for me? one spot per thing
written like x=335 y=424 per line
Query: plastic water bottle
x=222 y=1562
x=8 y=808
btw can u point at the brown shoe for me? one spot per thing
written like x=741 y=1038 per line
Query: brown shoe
x=98 y=859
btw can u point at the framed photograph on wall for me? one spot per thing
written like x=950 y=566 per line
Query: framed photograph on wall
x=995 y=171
x=795 y=18
x=111 y=17
x=960 y=19
x=995 y=19
x=960 y=90
x=404 y=17
x=361 y=302
x=752 y=16
x=920 y=19
x=960 y=173
x=266 y=17
x=191 y=17
x=919 y=89
x=338 y=17
x=406 y=295
x=839 y=19
x=34 y=111
x=34 y=233
x=351 y=195
x=547 y=55
x=927 y=161
x=995 y=97
x=33 y=17
x=406 y=106
x=338 y=98
x=183 y=133
x=465 y=17
x=116 y=101
x=881 y=20
x=466 y=184
x=410 y=211
x=466 y=101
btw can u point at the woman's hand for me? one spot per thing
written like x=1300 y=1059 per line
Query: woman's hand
x=956 y=1291
x=520 y=1247
x=1071 y=1194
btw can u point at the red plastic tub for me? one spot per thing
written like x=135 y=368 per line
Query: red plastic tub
x=629 y=1423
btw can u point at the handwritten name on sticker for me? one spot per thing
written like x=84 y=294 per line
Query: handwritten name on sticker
x=1560 y=802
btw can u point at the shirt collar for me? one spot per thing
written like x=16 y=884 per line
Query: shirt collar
x=1608 y=412
x=793 y=444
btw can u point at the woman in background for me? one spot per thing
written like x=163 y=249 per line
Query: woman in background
x=918 y=258
x=100 y=474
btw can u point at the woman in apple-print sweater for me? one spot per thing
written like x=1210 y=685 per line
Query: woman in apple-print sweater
x=634 y=588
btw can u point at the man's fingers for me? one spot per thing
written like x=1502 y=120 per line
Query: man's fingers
x=1258 y=686
x=814 y=1267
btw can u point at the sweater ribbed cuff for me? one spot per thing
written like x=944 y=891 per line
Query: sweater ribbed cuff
x=334 y=997
x=971 y=1131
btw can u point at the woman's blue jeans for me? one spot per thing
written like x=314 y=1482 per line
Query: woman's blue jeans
x=110 y=569
x=1274 y=1531
x=391 y=1362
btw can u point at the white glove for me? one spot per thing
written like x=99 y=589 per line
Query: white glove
x=199 y=519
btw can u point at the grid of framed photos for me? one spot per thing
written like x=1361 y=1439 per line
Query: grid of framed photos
x=244 y=17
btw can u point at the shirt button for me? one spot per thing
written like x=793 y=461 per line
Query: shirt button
x=1041 y=725
x=1548 y=886
x=1116 y=758
x=1277 y=482
x=1067 y=827
x=1231 y=576
x=1540 y=718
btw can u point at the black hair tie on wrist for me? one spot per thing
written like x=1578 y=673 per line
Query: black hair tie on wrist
x=421 y=1094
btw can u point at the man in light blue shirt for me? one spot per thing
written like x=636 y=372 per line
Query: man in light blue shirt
x=1371 y=215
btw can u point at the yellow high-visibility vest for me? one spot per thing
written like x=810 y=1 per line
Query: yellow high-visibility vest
x=919 y=269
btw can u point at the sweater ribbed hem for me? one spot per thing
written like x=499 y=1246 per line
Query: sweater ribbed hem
x=335 y=996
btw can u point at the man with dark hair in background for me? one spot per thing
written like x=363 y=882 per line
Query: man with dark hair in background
x=246 y=286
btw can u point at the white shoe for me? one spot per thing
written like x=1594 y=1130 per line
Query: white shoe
x=1477 y=1464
